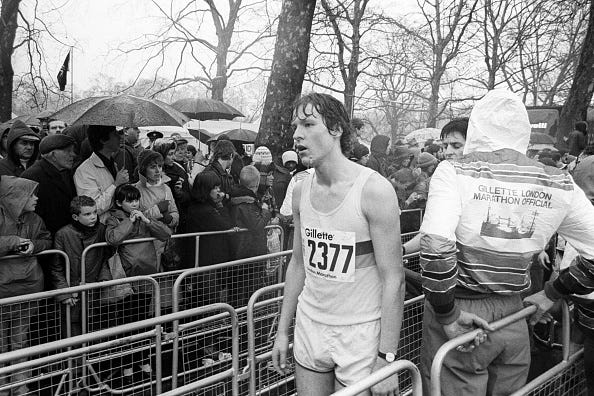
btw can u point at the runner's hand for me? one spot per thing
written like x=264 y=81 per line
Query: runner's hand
x=279 y=354
x=389 y=386
x=544 y=261
x=542 y=302
x=465 y=323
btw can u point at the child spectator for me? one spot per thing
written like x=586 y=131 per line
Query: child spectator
x=248 y=212
x=84 y=229
x=126 y=222
x=23 y=233
x=156 y=199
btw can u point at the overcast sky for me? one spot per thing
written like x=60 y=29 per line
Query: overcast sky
x=97 y=28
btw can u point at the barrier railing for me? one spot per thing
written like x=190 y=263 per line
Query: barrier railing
x=33 y=319
x=440 y=356
x=382 y=374
x=87 y=346
x=243 y=278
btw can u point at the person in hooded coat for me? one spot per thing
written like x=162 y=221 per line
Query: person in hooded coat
x=22 y=149
x=22 y=233
x=378 y=156
x=487 y=215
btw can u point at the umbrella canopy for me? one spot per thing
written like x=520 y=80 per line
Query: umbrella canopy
x=45 y=114
x=239 y=135
x=421 y=135
x=541 y=138
x=206 y=109
x=201 y=134
x=29 y=120
x=121 y=110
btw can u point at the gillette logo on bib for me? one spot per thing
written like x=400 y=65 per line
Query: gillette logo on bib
x=329 y=254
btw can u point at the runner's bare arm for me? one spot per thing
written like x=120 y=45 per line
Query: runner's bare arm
x=295 y=279
x=380 y=206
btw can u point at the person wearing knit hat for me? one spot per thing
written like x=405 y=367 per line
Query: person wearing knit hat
x=156 y=198
x=426 y=160
x=22 y=149
x=53 y=172
x=289 y=156
x=281 y=175
x=262 y=155
x=360 y=154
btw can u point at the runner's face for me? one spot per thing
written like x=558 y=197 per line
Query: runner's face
x=312 y=138
x=453 y=146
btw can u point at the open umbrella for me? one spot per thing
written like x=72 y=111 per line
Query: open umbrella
x=201 y=134
x=206 y=109
x=421 y=135
x=28 y=120
x=121 y=110
x=45 y=114
x=239 y=135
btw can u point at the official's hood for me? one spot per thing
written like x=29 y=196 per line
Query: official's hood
x=498 y=121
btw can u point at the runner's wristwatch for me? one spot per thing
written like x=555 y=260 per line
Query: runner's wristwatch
x=388 y=357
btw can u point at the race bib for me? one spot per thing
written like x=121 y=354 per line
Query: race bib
x=329 y=254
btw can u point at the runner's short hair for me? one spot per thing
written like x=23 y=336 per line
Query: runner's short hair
x=334 y=116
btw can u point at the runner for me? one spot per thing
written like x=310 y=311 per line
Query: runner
x=347 y=283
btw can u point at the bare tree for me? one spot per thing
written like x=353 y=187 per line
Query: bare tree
x=234 y=50
x=582 y=88
x=288 y=70
x=8 y=26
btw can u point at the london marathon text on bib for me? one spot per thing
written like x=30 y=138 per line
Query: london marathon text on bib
x=329 y=254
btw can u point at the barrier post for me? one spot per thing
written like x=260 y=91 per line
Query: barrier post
x=437 y=364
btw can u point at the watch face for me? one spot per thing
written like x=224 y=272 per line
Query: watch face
x=390 y=357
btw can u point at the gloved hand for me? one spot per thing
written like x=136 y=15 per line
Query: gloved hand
x=167 y=218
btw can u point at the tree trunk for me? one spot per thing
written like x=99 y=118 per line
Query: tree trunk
x=288 y=70
x=580 y=93
x=8 y=26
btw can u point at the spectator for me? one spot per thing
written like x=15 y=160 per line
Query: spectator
x=4 y=129
x=84 y=230
x=418 y=198
x=79 y=134
x=131 y=140
x=22 y=149
x=248 y=212
x=156 y=198
x=125 y=222
x=207 y=213
x=125 y=158
x=577 y=138
x=98 y=177
x=179 y=179
x=153 y=136
x=583 y=174
x=23 y=233
x=181 y=153
x=471 y=220
x=358 y=126
x=379 y=151
x=281 y=175
x=55 y=127
x=53 y=172
x=222 y=158
x=360 y=154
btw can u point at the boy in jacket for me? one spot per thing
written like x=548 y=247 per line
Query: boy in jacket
x=84 y=229
x=22 y=233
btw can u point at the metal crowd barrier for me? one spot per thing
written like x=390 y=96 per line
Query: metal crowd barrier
x=203 y=286
x=34 y=319
x=116 y=337
x=382 y=374
x=439 y=358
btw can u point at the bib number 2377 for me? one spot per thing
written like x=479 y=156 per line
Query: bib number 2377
x=329 y=254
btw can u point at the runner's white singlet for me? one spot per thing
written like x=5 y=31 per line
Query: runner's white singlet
x=340 y=288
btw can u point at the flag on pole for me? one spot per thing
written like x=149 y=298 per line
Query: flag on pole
x=63 y=72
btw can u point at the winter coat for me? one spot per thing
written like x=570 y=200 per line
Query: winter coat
x=56 y=190
x=203 y=217
x=247 y=212
x=378 y=157
x=11 y=165
x=282 y=178
x=182 y=198
x=21 y=275
x=576 y=142
x=92 y=178
x=137 y=258
x=73 y=240
x=227 y=183
x=151 y=195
